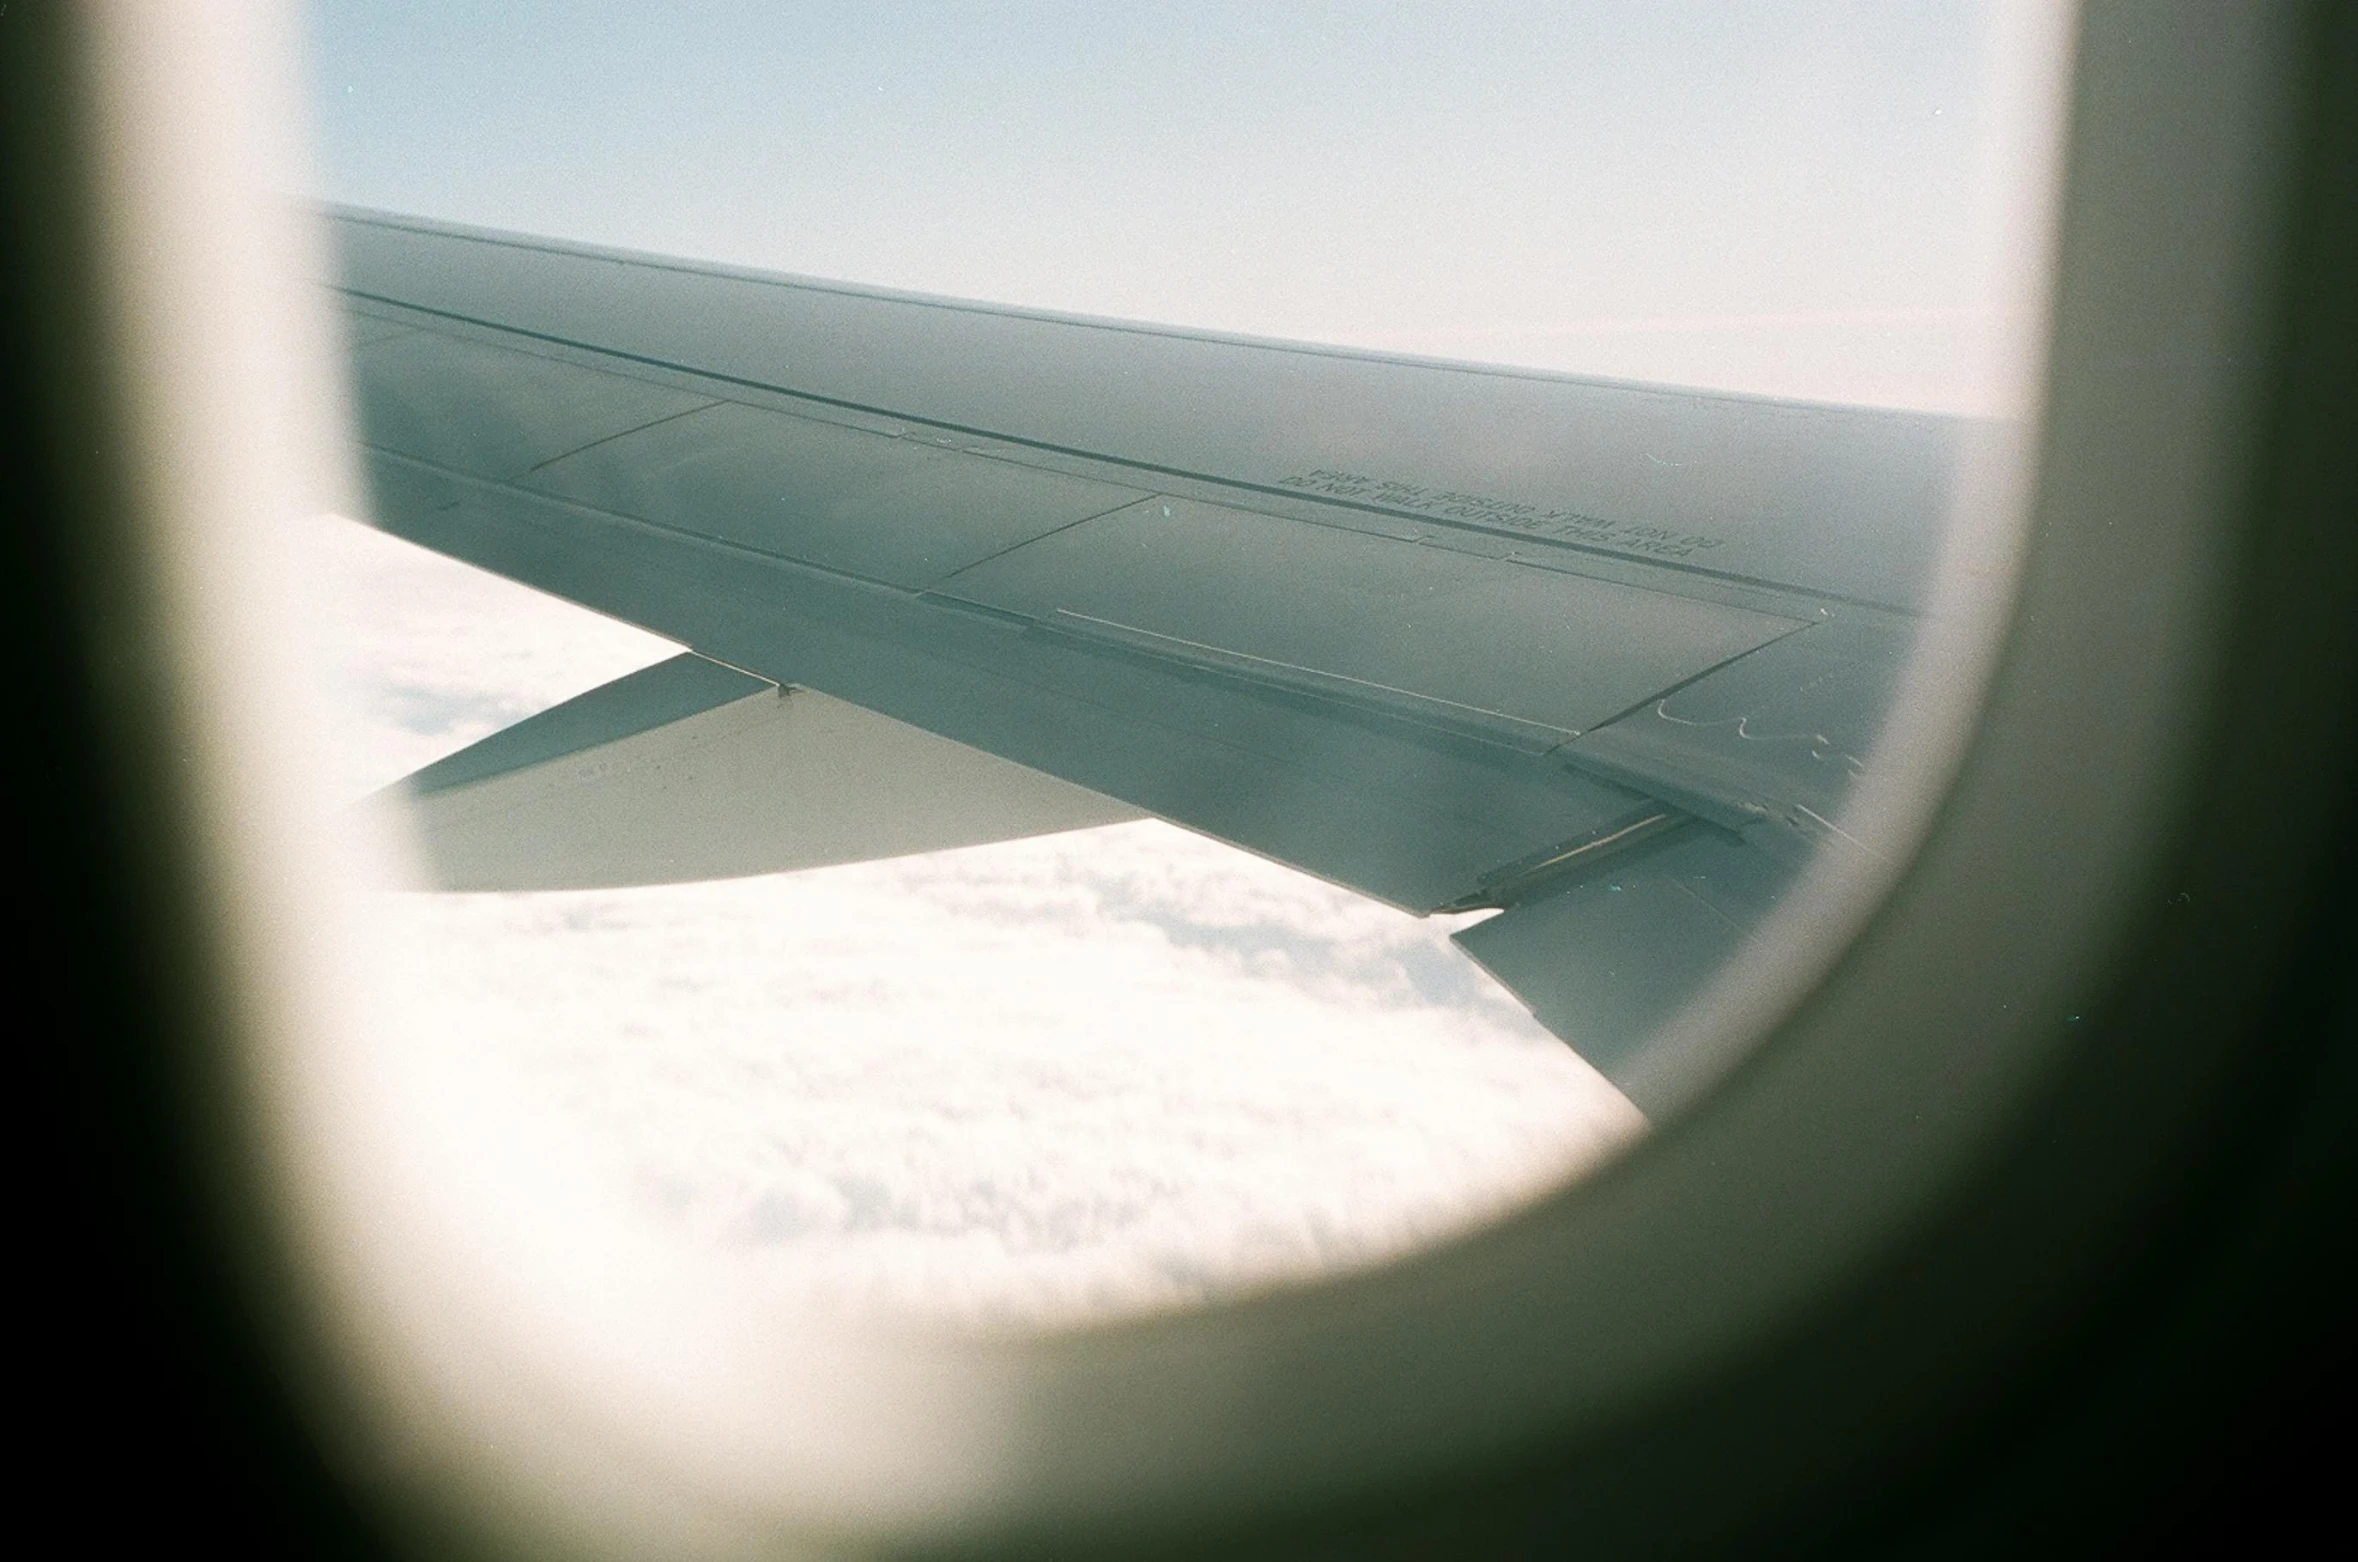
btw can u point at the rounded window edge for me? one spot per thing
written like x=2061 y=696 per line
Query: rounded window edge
x=1332 y=1390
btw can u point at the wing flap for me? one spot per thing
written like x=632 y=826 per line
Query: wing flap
x=688 y=770
x=1381 y=800
x=1606 y=959
x=1544 y=655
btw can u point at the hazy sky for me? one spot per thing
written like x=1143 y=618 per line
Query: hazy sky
x=1792 y=197
x=1127 y=1068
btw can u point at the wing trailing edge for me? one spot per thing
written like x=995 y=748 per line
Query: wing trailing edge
x=689 y=770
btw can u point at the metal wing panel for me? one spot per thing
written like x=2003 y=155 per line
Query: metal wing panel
x=1605 y=960
x=896 y=510
x=1449 y=636
x=1778 y=737
x=495 y=411
x=1842 y=502
x=1548 y=653
x=1400 y=809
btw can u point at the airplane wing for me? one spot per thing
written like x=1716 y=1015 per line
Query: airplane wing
x=1605 y=657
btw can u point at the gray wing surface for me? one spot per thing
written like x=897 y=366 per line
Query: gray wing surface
x=1606 y=657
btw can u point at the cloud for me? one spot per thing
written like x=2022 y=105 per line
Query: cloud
x=1035 y=1082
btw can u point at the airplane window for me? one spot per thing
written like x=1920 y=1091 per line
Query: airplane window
x=1134 y=1065
x=1047 y=804
x=689 y=618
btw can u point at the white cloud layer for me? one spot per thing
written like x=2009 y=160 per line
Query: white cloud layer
x=1030 y=1083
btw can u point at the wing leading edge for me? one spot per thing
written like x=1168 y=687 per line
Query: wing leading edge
x=1605 y=657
